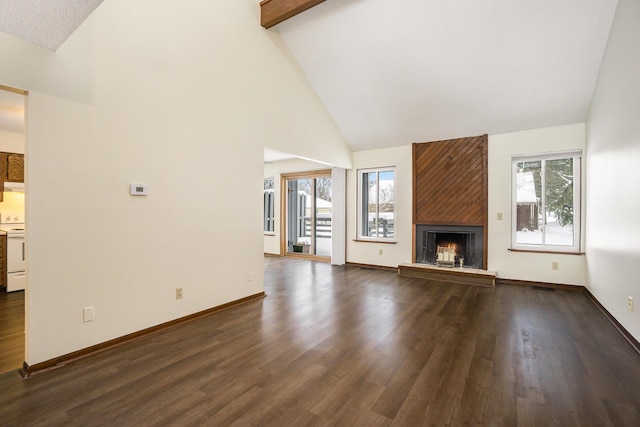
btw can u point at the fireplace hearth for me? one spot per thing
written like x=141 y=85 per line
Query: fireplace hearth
x=450 y=245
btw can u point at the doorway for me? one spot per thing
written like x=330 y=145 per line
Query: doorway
x=307 y=213
x=12 y=206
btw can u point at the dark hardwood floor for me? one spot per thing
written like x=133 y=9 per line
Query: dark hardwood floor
x=351 y=346
x=11 y=330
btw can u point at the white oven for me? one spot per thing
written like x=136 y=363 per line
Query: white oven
x=13 y=225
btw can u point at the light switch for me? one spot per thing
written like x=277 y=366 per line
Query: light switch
x=87 y=314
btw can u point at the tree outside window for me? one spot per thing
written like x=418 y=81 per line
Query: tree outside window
x=547 y=202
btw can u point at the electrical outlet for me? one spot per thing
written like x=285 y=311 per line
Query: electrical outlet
x=380 y=252
x=178 y=293
x=555 y=265
x=630 y=304
x=499 y=216
x=88 y=314
x=250 y=276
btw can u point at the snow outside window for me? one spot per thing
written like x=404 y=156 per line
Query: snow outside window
x=376 y=204
x=546 y=202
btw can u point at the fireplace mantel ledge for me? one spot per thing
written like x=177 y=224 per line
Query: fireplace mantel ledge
x=466 y=276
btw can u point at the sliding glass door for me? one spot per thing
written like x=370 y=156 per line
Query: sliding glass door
x=308 y=214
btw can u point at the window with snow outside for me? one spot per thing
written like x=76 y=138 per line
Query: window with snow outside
x=546 y=202
x=376 y=204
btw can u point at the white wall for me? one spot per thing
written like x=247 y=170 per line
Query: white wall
x=182 y=96
x=369 y=252
x=12 y=202
x=11 y=142
x=613 y=156
x=525 y=265
x=338 y=216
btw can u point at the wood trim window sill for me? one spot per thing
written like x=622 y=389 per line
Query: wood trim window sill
x=531 y=251
x=386 y=242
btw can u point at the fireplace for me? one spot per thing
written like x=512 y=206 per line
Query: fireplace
x=450 y=245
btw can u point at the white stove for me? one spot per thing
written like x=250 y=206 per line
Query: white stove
x=13 y=224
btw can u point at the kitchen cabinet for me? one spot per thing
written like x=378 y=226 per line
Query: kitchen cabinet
x=3 y=259
x=15 y=167
x=11 y=168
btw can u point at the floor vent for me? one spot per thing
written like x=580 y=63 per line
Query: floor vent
x=543 y=288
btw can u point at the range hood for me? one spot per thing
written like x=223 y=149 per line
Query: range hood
x=14 y=186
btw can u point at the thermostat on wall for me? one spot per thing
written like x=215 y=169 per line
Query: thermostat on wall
x=138 y=189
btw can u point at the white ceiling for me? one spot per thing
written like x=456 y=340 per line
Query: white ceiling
x=396 y=72
x=47 y=23
x=393 y=73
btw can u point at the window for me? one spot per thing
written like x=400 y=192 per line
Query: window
x=376 y=204
x=546 y=202
x=268 y=205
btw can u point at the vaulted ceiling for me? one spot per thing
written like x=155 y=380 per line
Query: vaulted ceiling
x=396 y=72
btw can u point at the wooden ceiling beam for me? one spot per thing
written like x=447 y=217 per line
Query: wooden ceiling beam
x=273 y=12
